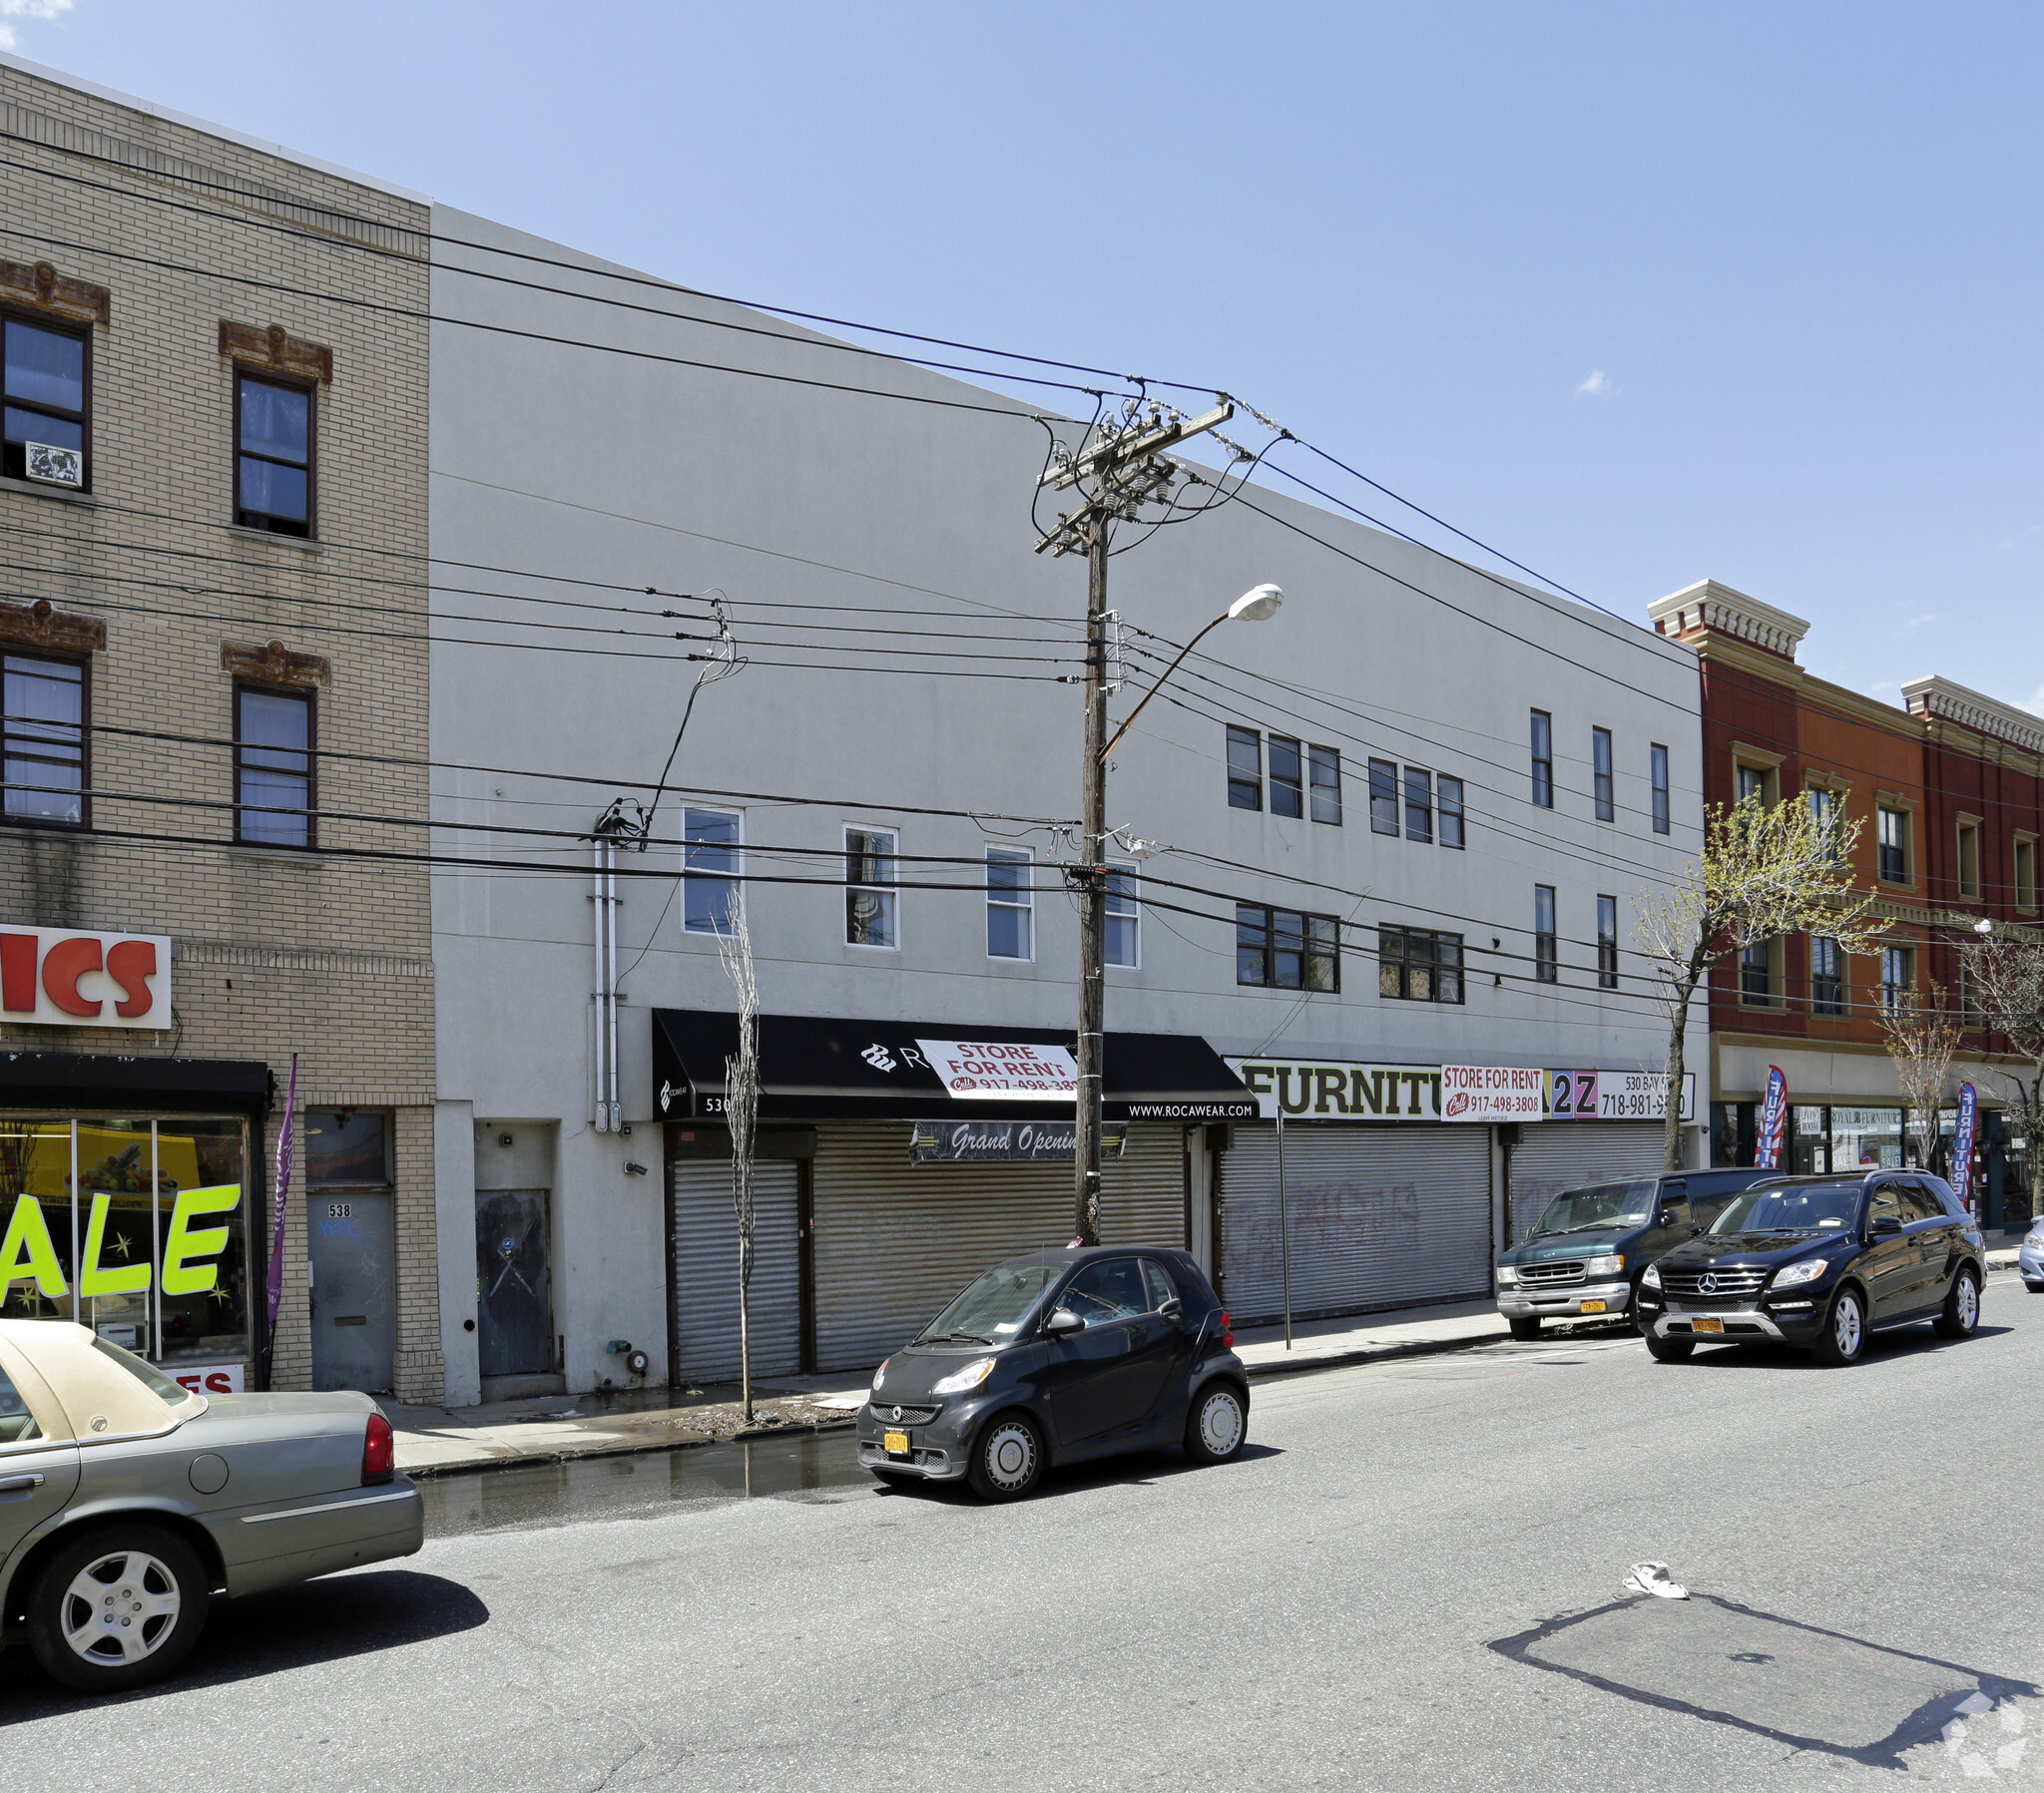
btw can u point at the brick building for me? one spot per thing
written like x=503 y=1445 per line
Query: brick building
x=1949 y=794
x=214 y=506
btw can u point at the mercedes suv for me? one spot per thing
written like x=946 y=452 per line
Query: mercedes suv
x=1821 y=1263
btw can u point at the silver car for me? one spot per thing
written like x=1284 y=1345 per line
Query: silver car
x=2031 y=1259
x=127 y=1501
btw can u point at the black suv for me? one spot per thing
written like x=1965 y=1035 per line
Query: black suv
x=1821 y=1262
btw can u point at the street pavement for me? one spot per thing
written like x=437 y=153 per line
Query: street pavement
x=1409 y=1580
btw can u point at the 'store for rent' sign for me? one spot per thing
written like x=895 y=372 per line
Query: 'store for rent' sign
x=1003 y=1069
x=1484 y=1093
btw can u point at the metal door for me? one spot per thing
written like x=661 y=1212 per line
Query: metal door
x=705 y=1282
x=354 y=1290
x=514 y=1319
x=1569 y=1155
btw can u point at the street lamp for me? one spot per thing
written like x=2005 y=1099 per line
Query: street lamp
x=1254 y=606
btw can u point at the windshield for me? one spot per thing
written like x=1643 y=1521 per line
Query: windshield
x=993 y=1306
x=1598 y=1207
x=1803 y=1207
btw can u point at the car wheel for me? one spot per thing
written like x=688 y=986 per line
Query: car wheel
x=118 y=1606
x=1961 y=1307
x=1217 y=1424
x=1007 y=1459
x=1843 y=1338
x=1528 y=1328
x=1670 y=1350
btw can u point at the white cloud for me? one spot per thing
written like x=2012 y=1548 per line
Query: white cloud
x=27 y=9
x=1598 y=386
x=1921 y=621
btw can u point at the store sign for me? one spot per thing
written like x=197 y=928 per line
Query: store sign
x=190 y=1252
x=212 y=1379
x=1005 y=1142
x=1492 y=1093
x=1003 y=1069
x=60 y=978
x=1615 y=1096
x=1340 y=1090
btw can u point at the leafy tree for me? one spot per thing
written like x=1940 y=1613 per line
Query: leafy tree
x=1921 y=1039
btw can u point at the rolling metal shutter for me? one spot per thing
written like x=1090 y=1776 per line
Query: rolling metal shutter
x=896 y=1242
x=1565 y=1155
x=705 y=1282
x=1381 y=1217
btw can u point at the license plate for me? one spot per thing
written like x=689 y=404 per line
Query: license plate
x=1592 y=1307
x=895 y=1444
x=1707 y=1325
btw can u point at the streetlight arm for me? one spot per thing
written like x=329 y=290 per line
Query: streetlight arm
x=1158 y=685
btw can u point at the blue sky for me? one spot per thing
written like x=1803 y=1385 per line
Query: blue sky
x=1637 y=293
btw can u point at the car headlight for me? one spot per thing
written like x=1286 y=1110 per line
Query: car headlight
x=959 y=1381
x=1652 y=1279
x=1505 y=1273
x=1795 y=1277
x=1611 y=1265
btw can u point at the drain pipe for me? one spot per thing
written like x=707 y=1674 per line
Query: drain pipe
x=609 y=1111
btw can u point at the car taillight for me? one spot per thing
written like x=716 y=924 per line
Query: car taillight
x=380 y=1452
x=1226 y=1337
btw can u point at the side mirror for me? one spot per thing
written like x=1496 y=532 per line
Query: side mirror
x=1062 y=1322
x=1882 y=1225
x=1667 y=1217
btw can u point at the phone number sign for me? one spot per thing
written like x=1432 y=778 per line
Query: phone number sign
x=1615 y=1096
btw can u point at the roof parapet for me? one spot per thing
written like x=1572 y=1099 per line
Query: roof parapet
x=1974 y=709
x=1706 y=605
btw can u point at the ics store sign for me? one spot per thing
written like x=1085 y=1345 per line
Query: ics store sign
x=60 y=978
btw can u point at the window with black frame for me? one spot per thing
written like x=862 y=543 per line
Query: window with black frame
x=273 y=455
x=1602 y=791
x=1283 y=948
x=1448 y=800
x=1757 y=973
x=1826 y=976
x=1419 y=965
x=1384 y=798
x=1245 y=768
x=1288 y=785
x=1419 y=804
x=1546 y=946
x=1607 y=943
x=44 y=735
x=1543 y=759
x=45 y=383
x=1658 y=763
x=1323 y=769
x=272 y=767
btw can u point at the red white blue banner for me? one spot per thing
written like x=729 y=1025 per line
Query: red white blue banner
x=1773 y=1127
x=1961 y=1170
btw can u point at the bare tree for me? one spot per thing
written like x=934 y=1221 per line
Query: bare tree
x=1767 y=871
x=1921 y=1039
x=742 y=1113
x=2007 y=973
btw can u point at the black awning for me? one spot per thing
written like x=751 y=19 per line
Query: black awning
x=117 y=1081
x=838 y=1067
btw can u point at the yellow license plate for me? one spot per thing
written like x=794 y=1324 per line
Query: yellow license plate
x=1708 y=1325
x=895 y=1444
x=1592 y=1307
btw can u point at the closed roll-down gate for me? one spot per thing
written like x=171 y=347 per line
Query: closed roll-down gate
x=1381 y=1217
x=706 y=1279
x=894 y=1241
x=1566 y=1154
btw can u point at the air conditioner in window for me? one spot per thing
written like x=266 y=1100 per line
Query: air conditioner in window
x=53 y=466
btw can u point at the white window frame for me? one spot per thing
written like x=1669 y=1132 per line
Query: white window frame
x=1022 y=856
x=889 y=892
x=1128 y=869
x=735 y=875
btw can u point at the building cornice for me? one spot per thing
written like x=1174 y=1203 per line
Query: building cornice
x=1940 y=700
x=1711 y=607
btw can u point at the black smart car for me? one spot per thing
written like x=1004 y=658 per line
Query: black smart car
x=1058 y=1357
x=1821 y=1263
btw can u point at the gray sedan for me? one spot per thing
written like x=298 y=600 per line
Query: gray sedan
x=126 y=1501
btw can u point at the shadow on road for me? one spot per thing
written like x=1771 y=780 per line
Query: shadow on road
x=1909 y=1341
x=289 y=1627
x=1139 y=1469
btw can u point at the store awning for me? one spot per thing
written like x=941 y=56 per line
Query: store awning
x=838 y=1067
x=117 y=1082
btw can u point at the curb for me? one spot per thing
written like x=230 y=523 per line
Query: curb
x=471 y=1466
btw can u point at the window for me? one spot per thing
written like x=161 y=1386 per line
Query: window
x=1162 y=1291
x=1599 y=776
x=1124 y=919
x=1546 y=965
x=1419 y=804
x=1287 y=794
x=1894 y=845
x=1752 y=785
x=1897 y=978
x=273 y=456
x=871 y=917
x=44 y=739
x=1384 y=798
x=347 y=1149
x=1826 y=814
x=2025 y=868
x=1245 y=768
x=17 y=1423
x=1010 y=903
x=1281 y=949
x=1826 y=976
x=1657 y=759
x=1969 y=995
x=272 y=767
x=1756 y=972
x=1417 y=965
x=1323 y=772
x=1104 y=1292
x=1451 y=812
x=1607 y=943
x=1969 y=861
x=1543 y=759
x=710 y=870
x=45 y=392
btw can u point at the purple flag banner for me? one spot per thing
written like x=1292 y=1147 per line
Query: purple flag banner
x=1961 y=1177
x=280 y=1185
x=1773 y=1125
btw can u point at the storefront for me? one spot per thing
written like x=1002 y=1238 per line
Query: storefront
x=895 y=1162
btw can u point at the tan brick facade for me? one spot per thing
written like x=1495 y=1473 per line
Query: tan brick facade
x=211 y=252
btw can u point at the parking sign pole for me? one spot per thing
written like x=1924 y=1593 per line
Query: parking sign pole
x=1284 y=1220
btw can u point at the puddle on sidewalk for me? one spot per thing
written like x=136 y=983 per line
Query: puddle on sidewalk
x=605 y=1488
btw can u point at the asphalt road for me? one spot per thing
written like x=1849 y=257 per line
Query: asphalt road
x=1412 y=1580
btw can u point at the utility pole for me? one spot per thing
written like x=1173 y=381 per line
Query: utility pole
x=1117 y=470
